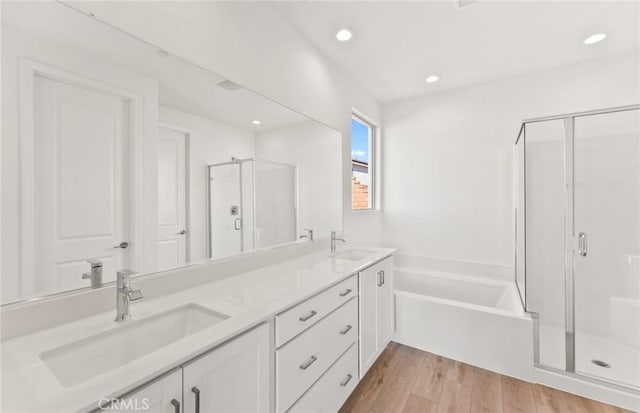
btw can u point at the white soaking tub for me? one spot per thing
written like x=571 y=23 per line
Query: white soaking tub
x=475 y=320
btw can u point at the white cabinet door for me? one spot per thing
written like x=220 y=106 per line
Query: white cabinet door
x=161 y=396
x=233 y=378
x=384 y=310
x=367 y=283
x=376 y=311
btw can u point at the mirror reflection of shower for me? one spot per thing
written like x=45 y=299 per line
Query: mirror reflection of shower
x=252 y=205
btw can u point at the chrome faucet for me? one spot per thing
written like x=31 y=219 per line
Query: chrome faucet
x=334 y=239
x=308 y=235
x=125 y=294
x=96 y=273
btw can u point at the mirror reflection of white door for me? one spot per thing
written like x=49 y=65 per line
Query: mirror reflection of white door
x=81 y=184
x=172 y=180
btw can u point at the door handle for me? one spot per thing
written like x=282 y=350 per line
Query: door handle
x=382 y=276
x=123 y=245
x=196 y=391
x=582 y=244
x=379 y=278
x=184 y=231
x=237 y=224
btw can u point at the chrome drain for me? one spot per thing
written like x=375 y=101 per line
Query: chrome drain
x=601 y=363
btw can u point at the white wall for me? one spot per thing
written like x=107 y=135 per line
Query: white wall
x=250 y=44
x=210 y=142
x=315 y=150
x=447 y=168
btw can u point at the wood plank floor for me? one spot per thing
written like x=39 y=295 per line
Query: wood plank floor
x=407 y=380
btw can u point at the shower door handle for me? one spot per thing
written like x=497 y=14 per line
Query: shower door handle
x=237 y=224
x=582 y=244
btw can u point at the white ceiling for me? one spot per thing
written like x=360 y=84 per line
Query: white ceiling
x=397 y=44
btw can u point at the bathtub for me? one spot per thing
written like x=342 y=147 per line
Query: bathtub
x=475 y=320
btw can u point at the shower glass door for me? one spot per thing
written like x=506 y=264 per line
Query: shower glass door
x=225 y=210
x=606 y=233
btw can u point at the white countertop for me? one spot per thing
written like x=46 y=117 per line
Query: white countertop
x=249 y=299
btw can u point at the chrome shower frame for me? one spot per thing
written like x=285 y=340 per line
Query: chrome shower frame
x=569 y=231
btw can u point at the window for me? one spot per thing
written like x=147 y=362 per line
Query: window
x=362 y=173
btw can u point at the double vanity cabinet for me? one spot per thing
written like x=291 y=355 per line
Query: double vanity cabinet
x=294 y=336
x=319 y=350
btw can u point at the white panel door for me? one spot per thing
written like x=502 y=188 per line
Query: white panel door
x=81 y=190
x=233 y=378
x=162 y=396
x=172 y=229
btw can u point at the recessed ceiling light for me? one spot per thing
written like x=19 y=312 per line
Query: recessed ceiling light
x=344 y=35
x=595 y=38
x=256 y=122
x=432 y=79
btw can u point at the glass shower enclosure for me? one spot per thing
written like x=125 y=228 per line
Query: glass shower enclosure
x=577 y=236
x=252 y=205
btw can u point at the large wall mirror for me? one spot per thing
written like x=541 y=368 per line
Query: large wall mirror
x=117 y=155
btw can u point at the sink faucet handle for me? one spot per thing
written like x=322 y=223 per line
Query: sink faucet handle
x=135 y=295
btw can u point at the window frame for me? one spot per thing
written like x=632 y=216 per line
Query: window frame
x=372 y=166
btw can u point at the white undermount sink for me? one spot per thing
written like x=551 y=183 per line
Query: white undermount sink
x=354 y=255
x=84 y=359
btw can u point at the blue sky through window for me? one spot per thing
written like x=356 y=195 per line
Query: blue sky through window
x=359 y=141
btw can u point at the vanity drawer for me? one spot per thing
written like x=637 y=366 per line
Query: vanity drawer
x=302 y=361
x=304 y=315
x=333 y=388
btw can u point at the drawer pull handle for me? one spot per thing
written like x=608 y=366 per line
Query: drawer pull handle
x=176 y=405
x=308 y=316
x=379 y=278
x=345 y=292
x=196 y=391
x=346 y=330
x=346 y=380
x=383 y=281
x=309 y=362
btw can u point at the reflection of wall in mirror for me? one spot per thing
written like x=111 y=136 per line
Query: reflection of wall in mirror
x=316 y=150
